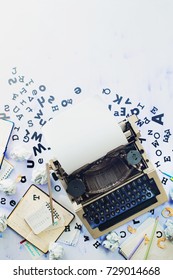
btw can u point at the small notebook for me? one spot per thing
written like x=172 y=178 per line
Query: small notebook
x=40 y=219
x=6 y=169
x=25 y=213
x=6 y=128
x=155 y=252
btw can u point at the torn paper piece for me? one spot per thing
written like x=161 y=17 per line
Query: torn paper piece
x=71 y=234
x=39 y=176
x=131 y=229
x=146 y=239
x=8 y=186
x=160 y=242
x=3 y=222
x=169 y=230
x=167 y=212
x=56 y=251
x=112 y=241
x=20 y=153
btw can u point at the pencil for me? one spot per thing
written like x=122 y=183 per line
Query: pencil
x=50 y=191
x=135 y=249
x=151 y=238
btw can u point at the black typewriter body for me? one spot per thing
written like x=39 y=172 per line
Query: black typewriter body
x=116 y=188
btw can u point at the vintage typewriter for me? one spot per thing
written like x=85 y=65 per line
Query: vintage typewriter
x=117 y=187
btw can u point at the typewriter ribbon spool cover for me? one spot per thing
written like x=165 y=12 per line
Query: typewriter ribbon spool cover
x=94 y=157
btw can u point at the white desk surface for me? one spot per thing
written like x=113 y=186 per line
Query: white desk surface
x=56 y=53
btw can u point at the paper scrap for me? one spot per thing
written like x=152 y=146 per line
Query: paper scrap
x=56 y=251
x=169 y=230
x=20 y=153
x=8 y=186
x=3 y=222
x=39 y=176
x=112 y=241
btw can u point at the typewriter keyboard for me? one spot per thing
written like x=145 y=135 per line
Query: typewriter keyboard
x=121 y=203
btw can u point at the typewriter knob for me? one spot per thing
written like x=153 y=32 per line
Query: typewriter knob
x=76 y=188
x=134 y=157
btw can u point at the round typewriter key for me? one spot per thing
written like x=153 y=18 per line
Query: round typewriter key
x=144 y=178
x=91 y=218
x=139 y=180
x=112 y=213
x=76 y=188
x=128 y=205
x=117 y=204
x=96 y=221
x=134 y=157
x=149 y=194
x=123 y=195
x=102 y=219
x=107 y=203
x=107 y=216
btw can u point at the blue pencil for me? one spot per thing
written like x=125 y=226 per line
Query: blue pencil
x=135 y=249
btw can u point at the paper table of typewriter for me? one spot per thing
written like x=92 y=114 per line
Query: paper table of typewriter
x=102 y=166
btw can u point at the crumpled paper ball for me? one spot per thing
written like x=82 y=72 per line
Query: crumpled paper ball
x=169 y=230
x=112 y=241
x=56 y=251
x=39 y=176
x=20 y=153
x=3 y=222
x=8 y=186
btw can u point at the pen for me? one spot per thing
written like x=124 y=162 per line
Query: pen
x=50 y=191
x=171 y=177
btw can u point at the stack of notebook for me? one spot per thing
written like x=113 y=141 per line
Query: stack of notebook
x=135 y=247
x=6 y=128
